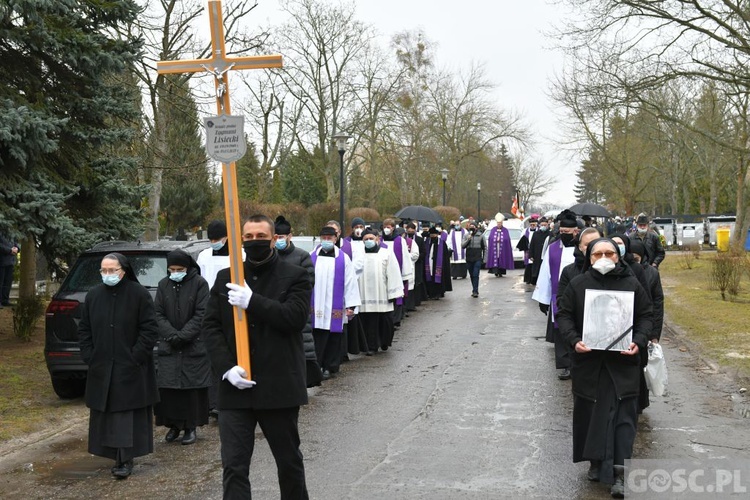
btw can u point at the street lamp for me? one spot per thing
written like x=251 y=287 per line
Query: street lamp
x=341 y=140
x=444 y=172
x=500 y=201
x=479 y=205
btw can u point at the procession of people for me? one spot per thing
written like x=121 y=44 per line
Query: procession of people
x=310 y=311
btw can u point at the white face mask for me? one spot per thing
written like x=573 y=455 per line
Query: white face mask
x=386 y=231
x=358 y=232
x=604 y=265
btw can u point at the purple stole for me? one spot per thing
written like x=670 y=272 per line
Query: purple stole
x=438 y=261
x=398 y=250
x=346 y=246
x=339 y=274
x=554 y=254
x=453 y=243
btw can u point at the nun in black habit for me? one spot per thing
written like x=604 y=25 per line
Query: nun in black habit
x=117 y=334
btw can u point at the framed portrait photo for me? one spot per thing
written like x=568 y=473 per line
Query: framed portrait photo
x=608 y=319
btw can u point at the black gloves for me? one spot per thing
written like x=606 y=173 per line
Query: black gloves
x=544 y=308
x=175 y=342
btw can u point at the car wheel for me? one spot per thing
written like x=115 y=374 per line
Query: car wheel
x=69 y=388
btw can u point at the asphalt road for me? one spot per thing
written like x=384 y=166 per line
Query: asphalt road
x=466 y=404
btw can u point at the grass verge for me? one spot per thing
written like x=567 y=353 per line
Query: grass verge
x=722 y=328
x=27 y=401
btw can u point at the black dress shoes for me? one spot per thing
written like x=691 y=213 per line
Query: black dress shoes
x=189 y=437
x=593 y=473
x=123 y=471
x=564 y=375
x=172 y=435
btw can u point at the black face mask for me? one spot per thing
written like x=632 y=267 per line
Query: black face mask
x=567 y=239
x=425 y=234
x=257 y=250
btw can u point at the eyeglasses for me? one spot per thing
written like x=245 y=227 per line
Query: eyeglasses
x=110 y=271
x=608 y=254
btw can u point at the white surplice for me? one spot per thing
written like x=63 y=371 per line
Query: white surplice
x=323 y=289
x=380 y=281
x=211 y=264
x=407 y=264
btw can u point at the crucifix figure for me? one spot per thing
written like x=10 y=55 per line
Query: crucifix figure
x=219 y=65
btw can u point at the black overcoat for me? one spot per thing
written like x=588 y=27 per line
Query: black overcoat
x=117 y=334
x=586 y=368
x=299 y=257
x=276 y=315
x=180 y=308
x=536 y=245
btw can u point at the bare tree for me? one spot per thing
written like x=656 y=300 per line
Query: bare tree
x=665 y=41
x=323 y=43
x=530 y=179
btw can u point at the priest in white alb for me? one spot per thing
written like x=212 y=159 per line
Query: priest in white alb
x=334 y=298
x=379 y=286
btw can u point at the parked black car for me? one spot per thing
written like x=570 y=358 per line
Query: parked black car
x=61 y=350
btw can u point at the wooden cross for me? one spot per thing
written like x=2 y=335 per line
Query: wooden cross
x=219 y=65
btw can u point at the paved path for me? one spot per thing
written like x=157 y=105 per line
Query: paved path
x=466 y=404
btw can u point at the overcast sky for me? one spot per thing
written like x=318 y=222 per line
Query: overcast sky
x=506 y=36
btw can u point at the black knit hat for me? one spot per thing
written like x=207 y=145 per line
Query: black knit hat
x=282 y=226
x=358 y=221
x=216 y=230
x=369 y=230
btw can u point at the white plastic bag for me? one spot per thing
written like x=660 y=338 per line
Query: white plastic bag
x=656 y=370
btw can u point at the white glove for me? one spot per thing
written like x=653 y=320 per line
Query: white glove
x=239 y=295
x=236 y=376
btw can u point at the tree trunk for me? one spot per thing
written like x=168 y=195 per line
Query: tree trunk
x=27 y=278
x=742 y=223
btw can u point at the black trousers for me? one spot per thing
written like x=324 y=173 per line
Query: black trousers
x=237 y=434
x=6 y=282
x=328 y=349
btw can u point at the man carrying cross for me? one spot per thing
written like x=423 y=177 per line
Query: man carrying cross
x=271 y=312
x=276 y=299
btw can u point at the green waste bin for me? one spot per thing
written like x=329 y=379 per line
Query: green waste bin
x=722 y=239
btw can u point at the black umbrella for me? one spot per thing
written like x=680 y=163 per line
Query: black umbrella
x=590 y=209
x=420 y=213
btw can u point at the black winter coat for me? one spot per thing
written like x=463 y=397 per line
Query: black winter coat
x=117 y=334
x=299 y=257
x=654 y=249
x=586 y=368
x=536 y=246
x=180 y=307
x=657 y=300
x=7 y=257
x=278 y=310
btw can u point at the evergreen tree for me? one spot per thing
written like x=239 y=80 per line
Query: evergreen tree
x=64 y=113
x=299 y=180
x=188 y=192
x=249 y=176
